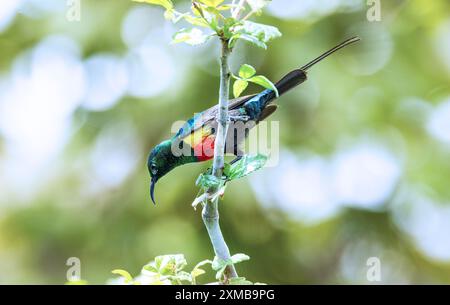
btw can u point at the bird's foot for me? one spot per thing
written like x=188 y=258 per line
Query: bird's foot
x=239 y=118
x=235 y=160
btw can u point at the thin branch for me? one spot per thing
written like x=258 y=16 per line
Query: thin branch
x=237 y=11
x=248 y=15
x=210 y=213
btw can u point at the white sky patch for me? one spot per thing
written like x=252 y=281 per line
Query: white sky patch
x=414 y=109
x=139 y=23
x=114 y=156
x=107 y=81
x=425 y=221
x=311 y=189
x=8 y=10
x=304 y=188
x=438 y=125
x=300 y=187
x=442 y=44
x=353 y=262
x=288 y=9
x=374 y=51
x=151 y=71
x=364 y=175
x=42 y=8
x=44 y=88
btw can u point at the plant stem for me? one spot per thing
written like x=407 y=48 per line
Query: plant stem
x=210 y=213
x=238 y=9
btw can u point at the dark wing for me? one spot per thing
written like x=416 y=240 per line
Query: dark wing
x=238 y=102
x=207 y=116
x=271 y=108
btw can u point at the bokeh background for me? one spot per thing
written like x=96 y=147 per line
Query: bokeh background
x=365 y=143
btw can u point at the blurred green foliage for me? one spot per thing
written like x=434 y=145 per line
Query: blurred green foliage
x=357 y=94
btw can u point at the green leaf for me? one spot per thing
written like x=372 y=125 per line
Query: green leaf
x=239 y=86
x=167 y=4
x=225 y=7
x=213 y=23
x=240 y=257
x=240 y=281
x=76 y=282
x=228 y=25
x=246 y=37
x=245 y=166
x=256 y=33
x=179 y=261
x=246 y=71
x=170 y=15
x=219 y=263
x=151 y=268
x=226 y=168
x=208 y=181
x=190 y=36
x=202 y=263
x=264 y=33
x=197 y=272
x=123 y=273
x=183 y=276
x=257 y=5
x=264 y=82
x=198 y=21
x=208 y=13
x=166 y=265
x=211 y=3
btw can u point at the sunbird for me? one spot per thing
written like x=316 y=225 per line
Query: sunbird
x=196 y=137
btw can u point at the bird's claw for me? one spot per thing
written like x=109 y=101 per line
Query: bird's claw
x=239 y=118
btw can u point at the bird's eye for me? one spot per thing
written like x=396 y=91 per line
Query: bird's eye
x=154 y=169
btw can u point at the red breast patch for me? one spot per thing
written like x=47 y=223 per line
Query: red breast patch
x=205 y=149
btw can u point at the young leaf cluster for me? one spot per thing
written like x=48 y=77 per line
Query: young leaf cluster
x=209 y=18
x=244 y=167
x=247 y=75
x=170 y=270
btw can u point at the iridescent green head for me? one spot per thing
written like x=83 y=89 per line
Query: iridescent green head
x=160 y=161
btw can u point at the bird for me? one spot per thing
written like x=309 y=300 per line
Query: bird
x=194 y=141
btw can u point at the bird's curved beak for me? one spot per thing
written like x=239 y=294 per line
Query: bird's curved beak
x=152 y=189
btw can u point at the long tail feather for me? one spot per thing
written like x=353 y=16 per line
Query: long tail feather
x=298 y=76
x=290 y=80
x=329 y=52
x=254 y=107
